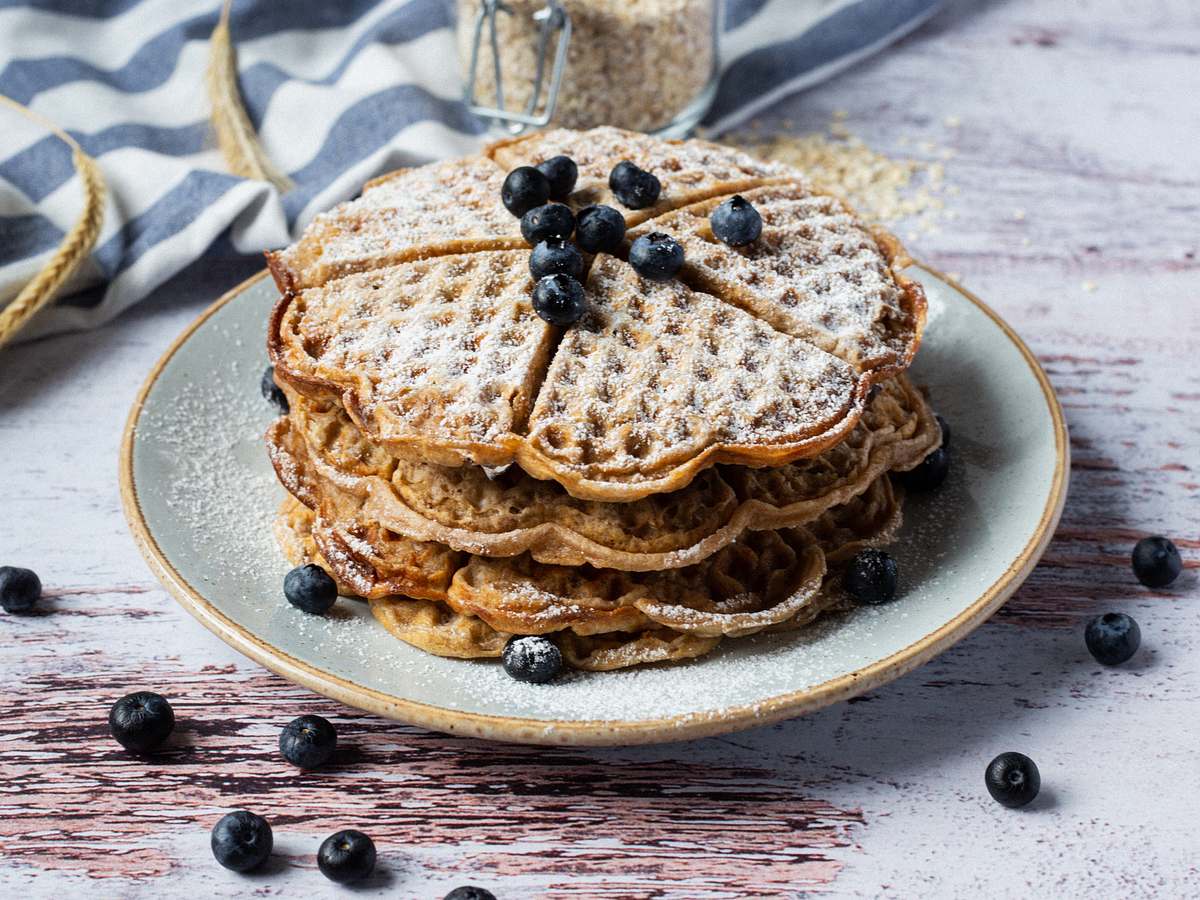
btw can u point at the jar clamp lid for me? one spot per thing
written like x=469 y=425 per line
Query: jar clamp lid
x=551 y=18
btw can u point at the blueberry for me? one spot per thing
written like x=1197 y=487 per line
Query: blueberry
x=562 y=173
x=736 y=222
x=524 y=188
x=656 y=256
x=20 y=589
x=559 y=299
x=346 y=857
x=271 y=391
x=141 y=721
x=532 y=658
x=551 y=222
x=929 y=473
x=555 y=258
x=1012 y=779
x=871 y=578
x=945 y=429
x=1112 y=638
x=470 y=892
x=242 y=841
x=310 y=588
x=308 y=741
x=599 y=229
x=1156 y=562
x=635 y=188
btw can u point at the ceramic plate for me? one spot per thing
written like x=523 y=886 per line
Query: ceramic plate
x=200 y=497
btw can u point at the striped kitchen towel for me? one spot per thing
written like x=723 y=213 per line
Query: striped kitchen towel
x=337 y=91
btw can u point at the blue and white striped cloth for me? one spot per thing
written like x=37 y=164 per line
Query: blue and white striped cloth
x=338 y=90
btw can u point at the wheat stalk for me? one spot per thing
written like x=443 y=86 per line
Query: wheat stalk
x=244 y=155
x=74 y=248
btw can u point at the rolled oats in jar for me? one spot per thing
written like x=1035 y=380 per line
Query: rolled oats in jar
x=646 y=65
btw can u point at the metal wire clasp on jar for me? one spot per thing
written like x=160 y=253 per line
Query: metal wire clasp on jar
x=646 y=65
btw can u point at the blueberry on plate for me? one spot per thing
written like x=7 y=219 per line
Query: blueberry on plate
x=20 y=589
x=871 y=578
x=945 y=429
x=532 y=658
x=635 y=188
x=929 y=473
x=271 y=391
x=1112 y=638
x=310 y=588
x=346 y=857
x=141 y=721
x=656 y=256
x=1012 y=779
x=1156 y=562
x=308 y=741
x=736 y=222
x=555 y=258
x=242 y=841
x=523 y=189
x=562 y=173
x=549 y=222
x=470 y=892
x=559 y=299
x=599 y=229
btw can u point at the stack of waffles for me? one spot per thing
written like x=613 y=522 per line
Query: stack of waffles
x=696 y=459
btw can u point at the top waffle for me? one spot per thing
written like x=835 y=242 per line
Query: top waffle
x=411 y=306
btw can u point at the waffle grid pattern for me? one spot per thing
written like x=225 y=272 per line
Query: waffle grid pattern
x=663 y=381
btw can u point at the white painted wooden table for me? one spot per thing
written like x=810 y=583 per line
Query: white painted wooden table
x=1078 y=160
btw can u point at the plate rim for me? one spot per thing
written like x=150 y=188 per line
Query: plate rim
x=594 y=732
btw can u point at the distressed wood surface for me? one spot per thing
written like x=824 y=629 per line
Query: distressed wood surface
x=1077 y=161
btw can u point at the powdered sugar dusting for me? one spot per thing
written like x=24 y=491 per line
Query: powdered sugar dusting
x=658 y=372
x=412 y=213
x=816 y=272
x=444 y=348
x=212 y=458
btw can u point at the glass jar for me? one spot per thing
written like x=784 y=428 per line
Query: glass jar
x=645 y=65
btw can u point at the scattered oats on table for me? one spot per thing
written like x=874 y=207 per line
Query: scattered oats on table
x=883 y=189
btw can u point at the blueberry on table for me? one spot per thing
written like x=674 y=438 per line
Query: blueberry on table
x=1112 y=638
x=141 y=721
x=1156 y=562
x=599 y=229
x=562 y=173
x=559 y=300
x=271 y=391
x=310 y=588
x=20 y=589
x=736 y=222
x=656 y=256
x=523 y=189
x=532 y=658
x=549 y=222
x=870 y=578
x=929 y=473
x=346 y=857
x=242 y=841
x=308 y=741
x=1012 y=779
x=555 y=258
x=635 y=188
x=470 y=892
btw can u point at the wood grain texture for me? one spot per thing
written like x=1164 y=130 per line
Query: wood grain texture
x=1078 y=115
